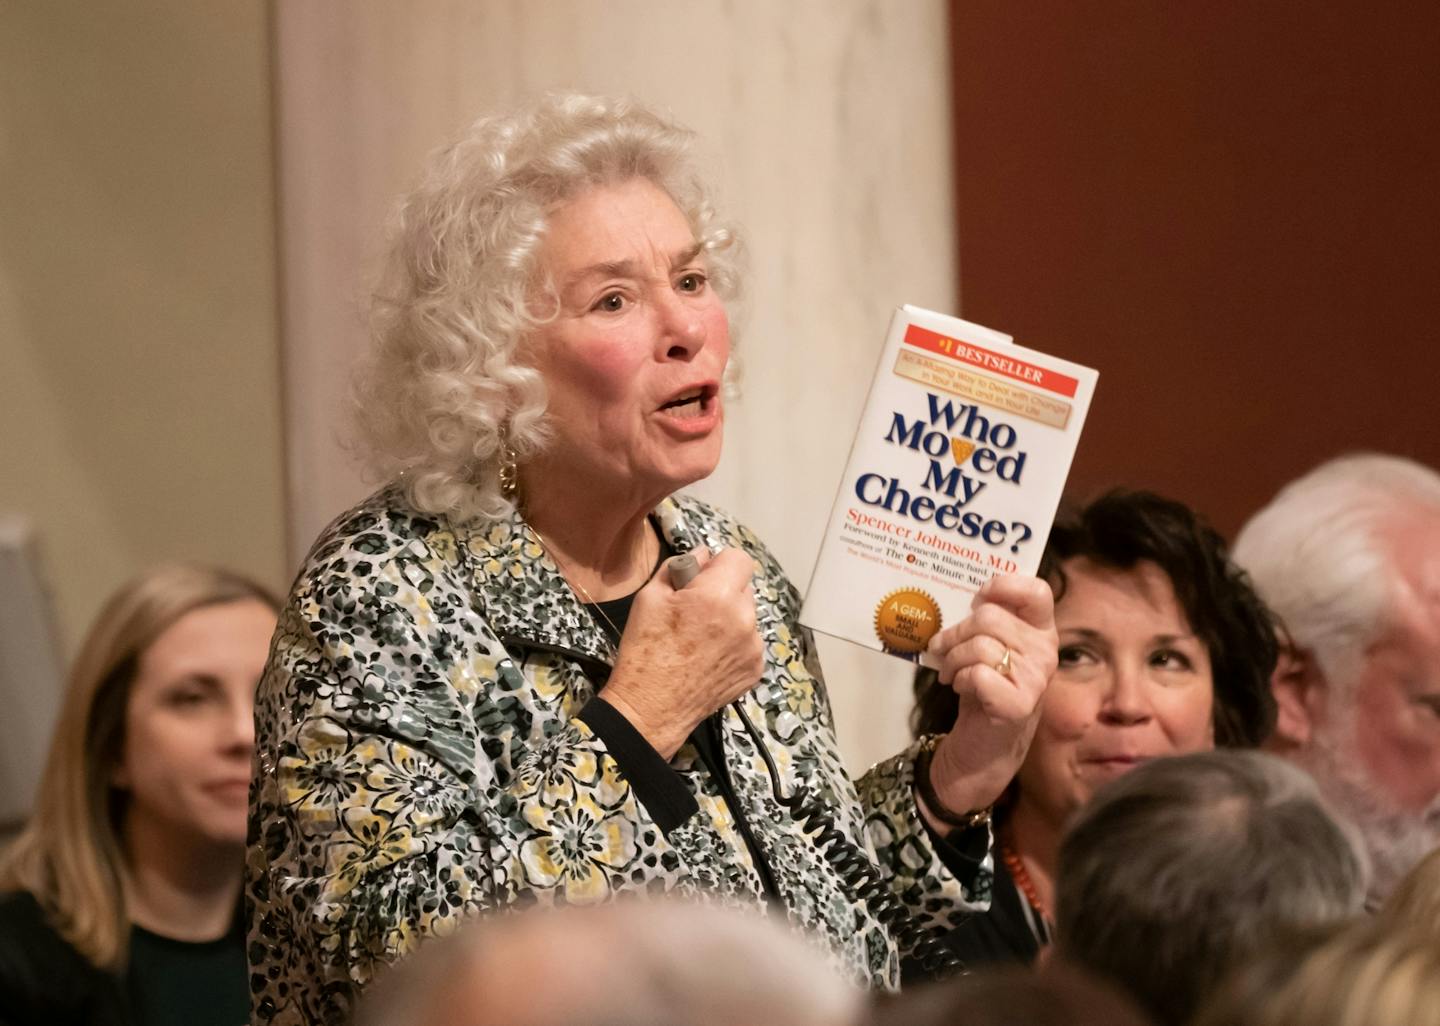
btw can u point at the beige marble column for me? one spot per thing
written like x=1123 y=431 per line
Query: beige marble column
x=139 y=378
x=827 y=123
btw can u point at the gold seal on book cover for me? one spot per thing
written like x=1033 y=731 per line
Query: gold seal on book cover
x=906 y=620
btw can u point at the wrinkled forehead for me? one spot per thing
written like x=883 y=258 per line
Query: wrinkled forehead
x=614 y=228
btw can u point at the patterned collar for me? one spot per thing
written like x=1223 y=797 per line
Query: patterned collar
x=524 y=596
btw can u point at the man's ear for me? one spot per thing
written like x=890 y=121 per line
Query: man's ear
x=1300 y=691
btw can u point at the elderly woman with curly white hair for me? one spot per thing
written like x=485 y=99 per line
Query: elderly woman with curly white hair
x=482 y=693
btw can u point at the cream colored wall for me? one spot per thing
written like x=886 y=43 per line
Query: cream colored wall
x=829 y=127
x=139 y=389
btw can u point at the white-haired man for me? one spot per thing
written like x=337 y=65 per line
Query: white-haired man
x=1349 y=557
x=654 y=963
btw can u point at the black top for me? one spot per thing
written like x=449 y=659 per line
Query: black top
x=43 y=980
x=1010 y=931
x=46 y=982
x=184 y=983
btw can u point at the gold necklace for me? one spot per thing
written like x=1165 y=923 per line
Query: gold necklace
x=589 y=600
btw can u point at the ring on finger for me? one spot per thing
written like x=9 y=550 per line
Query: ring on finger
x=1003 y=666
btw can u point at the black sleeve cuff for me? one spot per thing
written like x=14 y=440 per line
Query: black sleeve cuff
x=962 y=852
x=656 y=784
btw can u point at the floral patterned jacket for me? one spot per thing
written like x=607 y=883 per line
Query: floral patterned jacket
x=420 y=759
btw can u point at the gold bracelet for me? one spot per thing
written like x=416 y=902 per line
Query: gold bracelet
x=961 y=821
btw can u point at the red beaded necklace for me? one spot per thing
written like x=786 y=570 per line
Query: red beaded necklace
x=1016 y=866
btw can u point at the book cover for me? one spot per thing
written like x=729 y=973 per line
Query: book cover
x=955 y=473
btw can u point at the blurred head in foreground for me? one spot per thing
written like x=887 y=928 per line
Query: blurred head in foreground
x=1185 y=864
x=629 y=963
x=1415 y=903
x=1367 y=975
x=1058 y=995
x=1348 y=556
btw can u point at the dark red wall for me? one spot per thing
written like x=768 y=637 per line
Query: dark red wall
x=1231 y=210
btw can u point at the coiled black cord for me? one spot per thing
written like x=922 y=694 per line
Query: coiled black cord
x=848 y=859
x=853 y=865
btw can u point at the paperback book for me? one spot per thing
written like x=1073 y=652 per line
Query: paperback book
x=955 y=473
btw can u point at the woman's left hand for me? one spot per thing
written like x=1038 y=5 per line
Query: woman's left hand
x=999 y=702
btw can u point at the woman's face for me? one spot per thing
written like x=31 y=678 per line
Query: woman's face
x=1133 y=683
x=189 y=724
x=634 y=359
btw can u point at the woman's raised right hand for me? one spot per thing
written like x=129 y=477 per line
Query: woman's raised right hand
x=686 y=653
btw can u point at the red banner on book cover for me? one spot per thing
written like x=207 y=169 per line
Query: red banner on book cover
x=996 y=363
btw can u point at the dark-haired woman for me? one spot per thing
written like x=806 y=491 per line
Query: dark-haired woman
x=1164 y=649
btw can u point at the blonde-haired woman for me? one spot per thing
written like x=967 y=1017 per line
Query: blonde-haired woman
x=1369 y=974
x=119 y=900
x=1415 y=902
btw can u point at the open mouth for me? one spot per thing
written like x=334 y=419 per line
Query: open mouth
x=694 y=403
